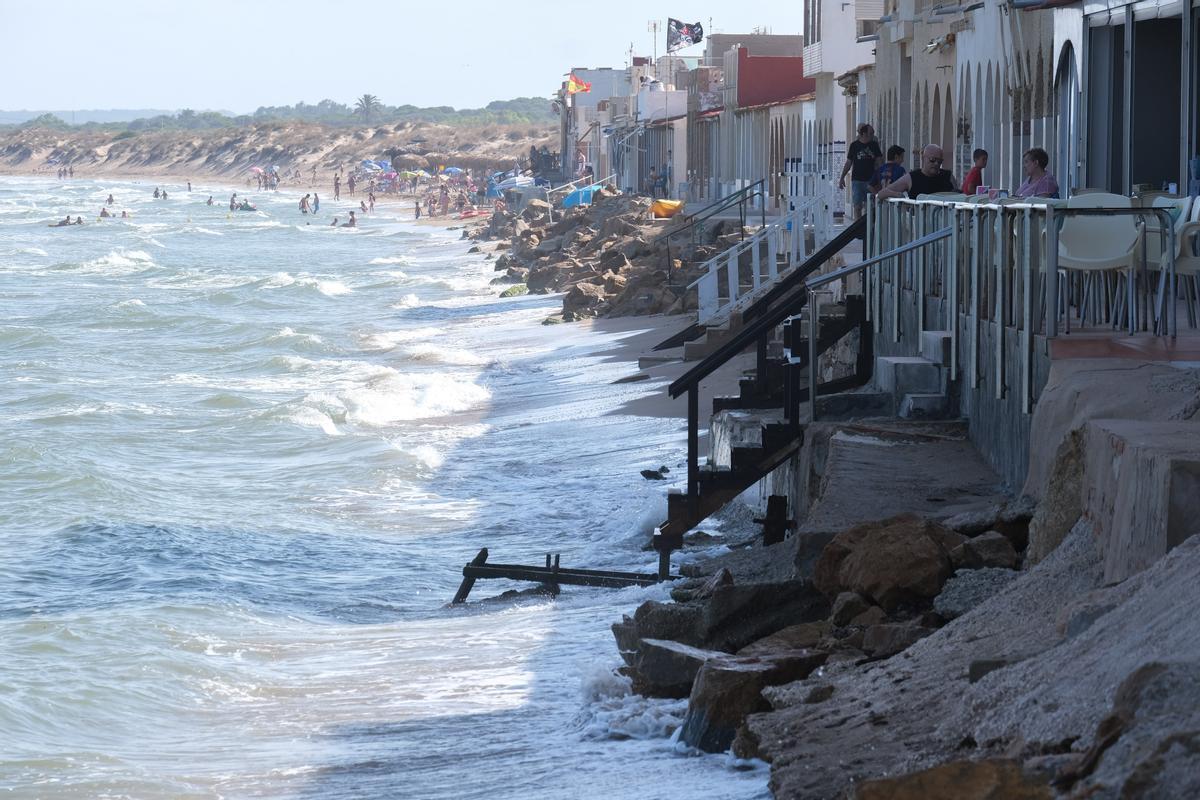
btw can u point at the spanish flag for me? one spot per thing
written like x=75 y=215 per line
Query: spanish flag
x=575 y=85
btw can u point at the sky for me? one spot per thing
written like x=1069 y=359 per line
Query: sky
x=237 y=56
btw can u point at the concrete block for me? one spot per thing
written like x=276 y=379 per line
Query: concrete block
x=924 y=406
x=1141 y=490
x=645 y=362
x=903 y=375
x=935 y=346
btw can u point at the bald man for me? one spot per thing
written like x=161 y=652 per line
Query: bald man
x=929 y=179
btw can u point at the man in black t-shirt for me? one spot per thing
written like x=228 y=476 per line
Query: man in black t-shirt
x=863 y=157
x=929 y=179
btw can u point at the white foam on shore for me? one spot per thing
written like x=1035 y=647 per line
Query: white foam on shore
x=391 y=339
x=612 y=711
x=392 y=260
x=408 y=301
x=436 y=354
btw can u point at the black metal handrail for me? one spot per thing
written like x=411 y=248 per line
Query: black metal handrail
x=764 y=317
x=855 y=230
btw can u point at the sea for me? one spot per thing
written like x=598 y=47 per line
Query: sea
x=243 y=459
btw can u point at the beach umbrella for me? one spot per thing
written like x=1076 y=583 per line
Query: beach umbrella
x=256 y=170
x=452 y=171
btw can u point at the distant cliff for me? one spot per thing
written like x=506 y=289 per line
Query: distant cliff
x=232 y=151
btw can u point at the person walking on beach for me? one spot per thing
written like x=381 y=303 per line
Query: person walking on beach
x=304 y=204
x=337 y=187
x=350 y=183
x=371 y=202
x=316 y=204
x=417 y=209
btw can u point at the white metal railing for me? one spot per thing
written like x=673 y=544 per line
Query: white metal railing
x=720 y=289
x=995 y=277
x=582 y=182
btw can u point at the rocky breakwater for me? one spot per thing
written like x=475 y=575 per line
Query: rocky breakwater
x=873 y=591
x=609 y=258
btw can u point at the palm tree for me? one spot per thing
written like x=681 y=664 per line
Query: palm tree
x=367 y=105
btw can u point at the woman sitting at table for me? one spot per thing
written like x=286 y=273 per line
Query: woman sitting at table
x=1038 y=182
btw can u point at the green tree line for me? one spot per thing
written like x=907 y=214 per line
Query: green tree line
x=367 y=109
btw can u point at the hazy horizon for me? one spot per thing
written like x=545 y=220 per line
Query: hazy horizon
x=236 y=57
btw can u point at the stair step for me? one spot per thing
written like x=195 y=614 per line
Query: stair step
x=924 y=406
x=700 y=348
x=935 y=346
x=779 y=434
x=902 y=375
x=849 y=405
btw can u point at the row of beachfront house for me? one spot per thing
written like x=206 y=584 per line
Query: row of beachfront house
x=1105 y=87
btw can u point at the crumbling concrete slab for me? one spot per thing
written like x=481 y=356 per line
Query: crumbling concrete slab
x=1141 y=490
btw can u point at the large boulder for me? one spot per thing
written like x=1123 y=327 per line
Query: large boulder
x=991 y=549
x=993 y=779
x=794 y=637
x=548 y=246
x=583 y=298
x=667 y=669
x=726 y=690
x=737 y=615
x=896 y=561
x=847 y=606
x=886 y=640
x=1062 y=503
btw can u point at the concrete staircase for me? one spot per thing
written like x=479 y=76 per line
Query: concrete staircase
x=918 y=384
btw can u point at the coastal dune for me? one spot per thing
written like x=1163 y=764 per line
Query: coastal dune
x=230 y=152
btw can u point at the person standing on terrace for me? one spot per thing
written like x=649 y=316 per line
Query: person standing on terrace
x=929 y=179
x=891 y=171
x=863 y=157
x=1038 y=182
x=974 y=179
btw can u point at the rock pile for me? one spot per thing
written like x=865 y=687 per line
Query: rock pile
x=609 y=258
x=873 y=591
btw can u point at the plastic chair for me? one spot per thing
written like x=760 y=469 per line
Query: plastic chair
x=1187 y=264
x=1100 y=244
